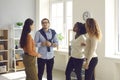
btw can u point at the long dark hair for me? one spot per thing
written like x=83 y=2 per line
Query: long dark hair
x=25 y=31
x=81 y=29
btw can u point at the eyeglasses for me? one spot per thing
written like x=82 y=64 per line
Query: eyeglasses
x=45 y=22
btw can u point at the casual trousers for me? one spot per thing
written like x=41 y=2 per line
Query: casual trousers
x=30 y=68
x=89 y=73
x=49 y=67
x=75 y=64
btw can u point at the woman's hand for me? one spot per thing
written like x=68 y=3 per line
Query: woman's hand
x=39 y=55
x=86 y=65
x=83 y=44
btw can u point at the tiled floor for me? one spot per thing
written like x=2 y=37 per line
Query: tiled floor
x=20 y=75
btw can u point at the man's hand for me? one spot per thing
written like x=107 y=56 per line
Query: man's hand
x=54 y=44
x=48 y=43
x=43 y=43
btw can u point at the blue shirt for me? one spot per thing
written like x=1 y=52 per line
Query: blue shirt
x=39 y=38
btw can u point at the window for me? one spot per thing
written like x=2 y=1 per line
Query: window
x=112 y=28
x=117 y=28
x=61 y=18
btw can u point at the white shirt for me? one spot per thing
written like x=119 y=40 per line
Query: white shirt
x=77 y=49
x=91 y=46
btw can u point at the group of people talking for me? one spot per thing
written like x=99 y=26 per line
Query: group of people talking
x=83 y=49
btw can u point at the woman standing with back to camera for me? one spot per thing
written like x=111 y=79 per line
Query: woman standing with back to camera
x=93 y=36
x=28 y=45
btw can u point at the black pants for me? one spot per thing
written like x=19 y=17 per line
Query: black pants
x=49 y=67
x=89 y=73
x=75 y=64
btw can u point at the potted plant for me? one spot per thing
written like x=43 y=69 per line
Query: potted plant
x=60 y=38
x=19 y=24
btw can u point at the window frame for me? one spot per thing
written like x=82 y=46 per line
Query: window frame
x=117 y=27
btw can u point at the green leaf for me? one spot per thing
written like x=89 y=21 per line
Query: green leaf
x=19 y=23
x=60 y=37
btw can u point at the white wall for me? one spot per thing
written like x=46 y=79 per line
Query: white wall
x=12 y=11
x=107 y=68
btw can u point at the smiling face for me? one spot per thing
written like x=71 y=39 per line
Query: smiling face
x=45 y=24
